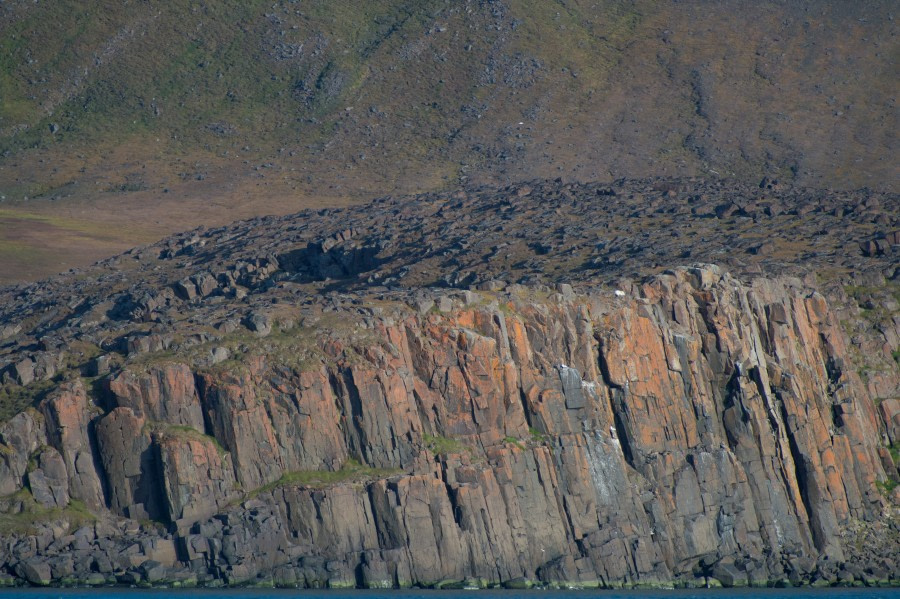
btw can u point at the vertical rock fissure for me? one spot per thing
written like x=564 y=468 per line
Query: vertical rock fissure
x=378 y=520
x=684 y=360
x=767 y=399
x=152 y=484
x=617 y=396
x=200 y=385
x=356 y=434
x=833 y=368
x=621 y=429
x=156 y=492
x=637 y=494
x=835 y=416
x=451 y=496
x=800 y=473
x=422 y=414
x=525 y=410
x=98 y=463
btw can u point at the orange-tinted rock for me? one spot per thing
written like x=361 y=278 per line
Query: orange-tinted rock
x=132 y=471
x=197 y=478
x=163 y=394
x=693 y=422
x=241 y=423
x=890 y=412
x=68 y=415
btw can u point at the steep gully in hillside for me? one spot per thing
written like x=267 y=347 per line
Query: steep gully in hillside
x=692 y=429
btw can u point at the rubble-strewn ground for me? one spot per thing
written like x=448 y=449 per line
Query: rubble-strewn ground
x=543 y=232
x=121 y=123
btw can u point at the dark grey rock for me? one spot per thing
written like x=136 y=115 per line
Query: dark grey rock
x=259 y=323
x=36 y=572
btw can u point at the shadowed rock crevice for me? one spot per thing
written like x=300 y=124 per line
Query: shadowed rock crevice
x=616 y=405
x=97 y=461
x=160 y=507
x=329 y=260
x=351 y=412
x=809 y=493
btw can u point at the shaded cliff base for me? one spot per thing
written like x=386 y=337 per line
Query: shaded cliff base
x=686 y=430
x=107 y=551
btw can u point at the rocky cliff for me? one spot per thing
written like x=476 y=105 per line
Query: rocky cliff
x=695 y=426
x=690 y=428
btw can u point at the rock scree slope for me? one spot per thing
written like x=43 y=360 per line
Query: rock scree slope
x=493 y=387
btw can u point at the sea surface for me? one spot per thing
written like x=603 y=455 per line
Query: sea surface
x=115 y=593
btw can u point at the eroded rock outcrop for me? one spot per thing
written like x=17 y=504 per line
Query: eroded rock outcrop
x=686 y=427
x=68 y=420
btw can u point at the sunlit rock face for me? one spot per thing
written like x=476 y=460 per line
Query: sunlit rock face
x=688 y=427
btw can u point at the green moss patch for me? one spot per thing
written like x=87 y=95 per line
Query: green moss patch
x=352 y=470
x=439 y=445
x=184 y=432
x=33 y=515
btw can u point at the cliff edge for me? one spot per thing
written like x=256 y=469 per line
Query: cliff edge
x=686 y=428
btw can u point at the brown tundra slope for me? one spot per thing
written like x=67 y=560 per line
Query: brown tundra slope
x=443 y=391
x=125 y=122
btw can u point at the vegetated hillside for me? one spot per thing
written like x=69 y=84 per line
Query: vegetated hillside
x=501 y=386
x=257 y=107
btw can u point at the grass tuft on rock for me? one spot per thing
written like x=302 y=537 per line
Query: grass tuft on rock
x=439 y=445
x=351 y=470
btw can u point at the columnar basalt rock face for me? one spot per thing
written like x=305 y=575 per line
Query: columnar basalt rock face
x=795 y=429
x=69 y=419
x=164 y=394
x=198 y=479
x=689 y=426
x=130 y=465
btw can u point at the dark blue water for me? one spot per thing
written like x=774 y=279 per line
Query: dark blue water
x=112 y=593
